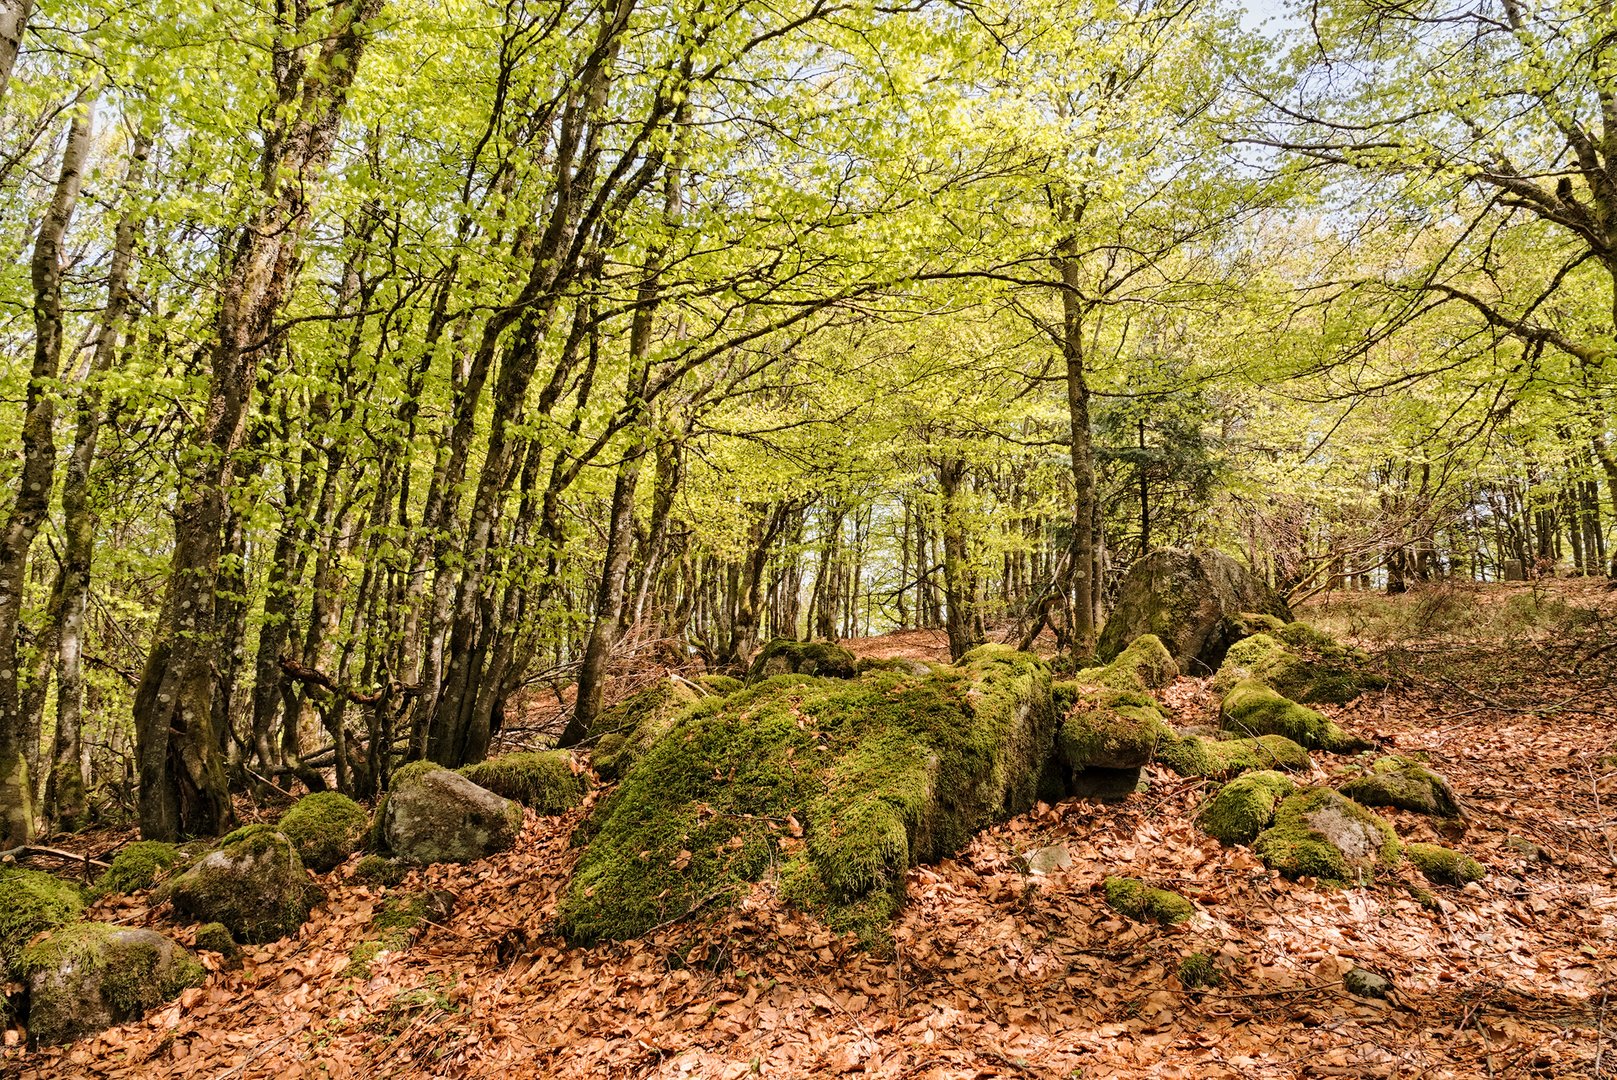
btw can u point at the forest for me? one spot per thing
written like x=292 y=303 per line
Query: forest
x=462 y=453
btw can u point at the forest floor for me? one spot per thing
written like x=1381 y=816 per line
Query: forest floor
x=1511 y=691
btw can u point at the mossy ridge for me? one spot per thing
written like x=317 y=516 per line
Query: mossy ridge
x=1138 y=901
x=1444 y=866
x=131 y=970
x=31 y=901
x=1301 y=663
x=137 y=866
x=543 y=781
x=880 y=773
x=1406 y=784
x=1308 y=834
x=1245 y=806
x=325 y=827
x=721 y=685
x=1218 y=759
x=1253 y=707
x=623 y=732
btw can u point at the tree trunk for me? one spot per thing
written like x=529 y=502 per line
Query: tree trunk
x=959 y=578
x=13 y=24
x=1082 y=456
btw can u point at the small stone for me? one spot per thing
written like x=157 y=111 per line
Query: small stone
x=1046 y=860
x=1362 y=982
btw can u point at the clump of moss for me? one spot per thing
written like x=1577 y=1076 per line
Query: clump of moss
x=623 y=732
x=396 y=925
x=783 y=656
x=1254 y=708
x=1320 y=834
x=1145 y=665
x=1198 y=971
x=543 y=781
x=1444 y=866
x=378 y=870
x=31 y=901
x=1406 y=784
x=1109 y=729
x=719 y=684
x=1301 y=663
x=877 y=774
x=1137 y=900
x=215 y=937
x=253 y=882
x=88 y=976
x=326 y=827
x=137 y=866
x=1193 y=755
x=1244 y=807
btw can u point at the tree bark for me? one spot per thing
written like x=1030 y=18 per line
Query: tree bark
x=14 y=15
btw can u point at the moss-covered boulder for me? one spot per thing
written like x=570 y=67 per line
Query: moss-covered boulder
x=842 y=785
x=433 y=815
x=543 y=781
x=32 y=901
x=623 y=732
x=253 y=882
x=1254 y=708
x=1109 y=729
x=137 y=866
x=1444 y=866
x=1186 y=597
x=1320 y=834
x=326 y=827
x=216 y=937
x=1137 y=900
x=1300 y=663
x=1145 y=665
x=822 y=659
x=396 y=925
x=1406 y=784
x=89 y=976
x=1219 y=759
x=1245 y=806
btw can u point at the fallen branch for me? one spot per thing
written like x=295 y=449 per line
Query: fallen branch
x=36 y=849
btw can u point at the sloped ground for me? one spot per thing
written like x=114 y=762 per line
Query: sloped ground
x=998 y=973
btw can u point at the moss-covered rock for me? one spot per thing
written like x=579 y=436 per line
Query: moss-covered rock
x=1194 y=755
x=1109 y=729
x=623 y=732
x=1185 y=597
x=1255 y=708
x=1444 y=866
x=1199 y=972
x=86 y=977
x=433 y=815
x=822 y=659
x=397 y=924
x=1320 y=834
x=32 y=901
x=215 y=937
x=378 y=870
x=1406 y=784
x=1139 y=901
x=253 y=882
x=1244 y=807
x=543 y=781
x=1145 y=665
x=137 y=866
x=326 y=827
x=1300 y=663
x=720 y=685
x=843 y=785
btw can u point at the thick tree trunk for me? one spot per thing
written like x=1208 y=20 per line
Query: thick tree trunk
x=14 y=16
x=35 y=479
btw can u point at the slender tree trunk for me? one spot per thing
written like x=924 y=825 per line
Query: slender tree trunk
x=1082 y=456
x=959 y=579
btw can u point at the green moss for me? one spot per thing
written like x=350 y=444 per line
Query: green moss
x=394 y=926
x=1406 y=784
x=876 y=774
x=783 y=656
x=215 y=937
x=1245 y=806
x=1197 y=971
x=1145 y=665
x=123 y=971
x=542 y=781
x=1108 y=729
x=1192 y=755
x=137 y=866
x=31 y=901
x=1320 y=834
x=253 y=882
x=623 y=732
x=1300 y=663
x=1444 y=866
x=1254 y=708
x=325 y=827
x=1137 y=900
x=378 y=870
x=719 y=684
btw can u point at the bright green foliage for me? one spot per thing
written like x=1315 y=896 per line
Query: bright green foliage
x=1444 y=866
x=90 y=974
x=825 y=659
x=1404 y=783
x=1194 y=755
x=31 y=901
x=216 y=937
x=1300 y=663
x=1198 y=971
x=543 y=781
x=878 y=773
x=1254 y=708
x=1320 y=834
x=253 y=882
x=1137 y=900
x=624 y=731
x=137 y=866
x=325 y=827
x=1245 y=806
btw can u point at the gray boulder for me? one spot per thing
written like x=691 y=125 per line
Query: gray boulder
x=253 y=882
x=1193 y=600
x=434 y=815
x=87 y=977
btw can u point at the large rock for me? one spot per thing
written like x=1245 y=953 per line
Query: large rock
x=89 y=976
x=1406 y=784
x=1320 y=834
x=253 y=882
x=326 y=827
x=434 y=815
x=1190 y=598
x=32 y=901
x=783 y=656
